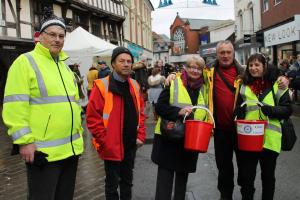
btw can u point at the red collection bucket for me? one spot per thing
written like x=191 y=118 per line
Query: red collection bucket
x=197 y=133
x=251 y=134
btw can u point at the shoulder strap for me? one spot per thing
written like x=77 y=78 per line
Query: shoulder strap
x=230 y=87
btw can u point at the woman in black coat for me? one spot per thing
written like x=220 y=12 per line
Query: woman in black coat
x=171 y=157
x=259 y=82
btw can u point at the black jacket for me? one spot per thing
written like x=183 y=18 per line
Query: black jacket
x=281 y=111
x=172 y=155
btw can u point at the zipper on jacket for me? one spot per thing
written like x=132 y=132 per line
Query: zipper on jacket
x=46 y=128
x=72 y=120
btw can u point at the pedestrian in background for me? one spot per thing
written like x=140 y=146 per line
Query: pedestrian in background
x=259 y=84
x=42 y=115
x=103 y=69
x=91 y=76
x=140 y=74
x=156 y=84
x=172 y=159
x=115 y=117
x=78 y=78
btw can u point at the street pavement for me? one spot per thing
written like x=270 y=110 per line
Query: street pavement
x=202 y=185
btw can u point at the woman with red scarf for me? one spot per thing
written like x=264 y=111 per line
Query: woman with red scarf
x=171 y=157
x=259 y=84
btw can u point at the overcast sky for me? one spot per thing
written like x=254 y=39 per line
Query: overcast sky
x=162 y=18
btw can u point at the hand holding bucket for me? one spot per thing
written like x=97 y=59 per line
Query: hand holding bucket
x=251 y=132
x=197 y=133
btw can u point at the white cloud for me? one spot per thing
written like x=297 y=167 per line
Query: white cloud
x=162 y=18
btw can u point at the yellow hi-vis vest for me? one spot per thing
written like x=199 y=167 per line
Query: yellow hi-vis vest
x=180 y=97
x=36 y=108
x=272 y=137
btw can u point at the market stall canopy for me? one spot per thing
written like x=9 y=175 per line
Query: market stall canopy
x=81 y=43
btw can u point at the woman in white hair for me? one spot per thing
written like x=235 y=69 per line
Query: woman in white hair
x=189 y=89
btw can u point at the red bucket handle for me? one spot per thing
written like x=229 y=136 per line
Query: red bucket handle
x=252 y=101
x=203 y=108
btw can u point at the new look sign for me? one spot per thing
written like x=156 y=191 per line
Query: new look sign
x=283 y=34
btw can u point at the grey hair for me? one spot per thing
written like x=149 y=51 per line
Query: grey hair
x=222 y=42
x=198 y=60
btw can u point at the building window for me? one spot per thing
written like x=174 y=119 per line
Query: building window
x=265 y=5
x=81 y=20
x=96 y=29
x=179 y=42
x=277 y=2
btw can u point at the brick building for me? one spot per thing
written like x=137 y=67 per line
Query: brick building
x=281 y=28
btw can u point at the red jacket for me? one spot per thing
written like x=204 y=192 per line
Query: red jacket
x=110 y=139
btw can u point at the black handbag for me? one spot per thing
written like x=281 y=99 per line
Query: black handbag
x=289 y=137
x=172 y=131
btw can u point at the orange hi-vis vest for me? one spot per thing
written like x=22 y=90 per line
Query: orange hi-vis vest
x=102 y=85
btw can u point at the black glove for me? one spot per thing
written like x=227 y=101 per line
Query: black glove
x=40 y=159
x=267 y=110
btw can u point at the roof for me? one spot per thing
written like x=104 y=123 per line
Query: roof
x=196 y=24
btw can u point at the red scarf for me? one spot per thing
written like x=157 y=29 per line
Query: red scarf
x=259 y=85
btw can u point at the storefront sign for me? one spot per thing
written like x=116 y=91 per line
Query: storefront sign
x=208 y=51
x=8 y=47
x=283 y=34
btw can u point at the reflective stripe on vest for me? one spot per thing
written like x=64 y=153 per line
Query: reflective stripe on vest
x=44 y=99
x=175 y=101
x=176 y=94
x=57 y=142
x=272 y=135
x=20 y=133
x=102 y=85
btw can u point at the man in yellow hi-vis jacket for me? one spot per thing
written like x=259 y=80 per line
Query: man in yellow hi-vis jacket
x=42 y=115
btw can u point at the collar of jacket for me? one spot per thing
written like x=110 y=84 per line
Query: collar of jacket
x=40 y=49
x=112 y=86
x=239 y=68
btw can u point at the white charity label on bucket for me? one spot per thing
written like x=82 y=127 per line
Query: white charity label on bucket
x=250 y=129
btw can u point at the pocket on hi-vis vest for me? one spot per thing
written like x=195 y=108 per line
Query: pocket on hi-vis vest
x=250 y=129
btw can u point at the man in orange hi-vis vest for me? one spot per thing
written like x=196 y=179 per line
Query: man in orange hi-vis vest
x=115 y=117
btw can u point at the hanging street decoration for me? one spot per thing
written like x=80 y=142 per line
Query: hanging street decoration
x=165 y=3
x=211 y=2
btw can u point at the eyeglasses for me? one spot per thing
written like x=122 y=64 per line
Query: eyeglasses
x=194 y=69
x=53 y=36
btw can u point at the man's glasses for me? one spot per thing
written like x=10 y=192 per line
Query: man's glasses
x=53 y=36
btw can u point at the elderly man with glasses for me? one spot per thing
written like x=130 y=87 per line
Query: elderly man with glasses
x=42 y=115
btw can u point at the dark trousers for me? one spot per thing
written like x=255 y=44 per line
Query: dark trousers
x=247 y=171
x=119 y=174
x=225 y=145
x=55 y=181
x=164 y=184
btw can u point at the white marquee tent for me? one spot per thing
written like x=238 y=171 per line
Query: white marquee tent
x=82 y=47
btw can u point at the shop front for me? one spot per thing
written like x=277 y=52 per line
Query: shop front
x=208 y=52
x=10 y=49
x=283 y=42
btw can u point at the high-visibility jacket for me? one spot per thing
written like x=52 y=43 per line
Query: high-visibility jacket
x=105 y=117
x=272 y=137
x=102 y=85
x=40 y=104
x=180 y=97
